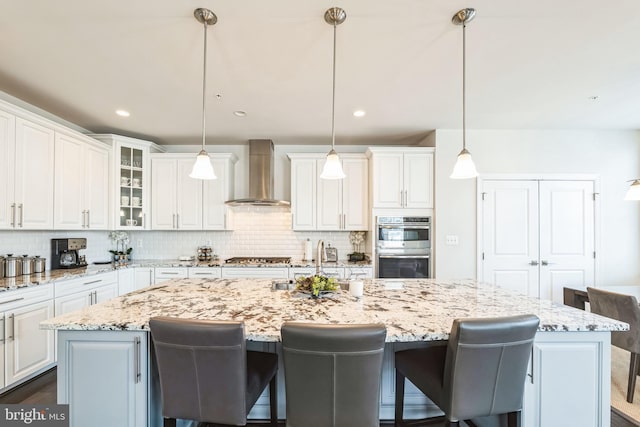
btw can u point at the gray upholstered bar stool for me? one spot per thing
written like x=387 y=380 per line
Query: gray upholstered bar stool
x=625 y=308
x=206 y=373
x=332 y=374
x=480 y=371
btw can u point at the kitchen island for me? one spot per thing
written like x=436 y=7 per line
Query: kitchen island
x=106 y=370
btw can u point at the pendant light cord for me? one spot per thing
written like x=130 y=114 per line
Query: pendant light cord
x=464 y=88
x=204 y=86
x=333 y=96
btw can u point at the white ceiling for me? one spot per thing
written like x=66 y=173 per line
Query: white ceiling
x=529 y=66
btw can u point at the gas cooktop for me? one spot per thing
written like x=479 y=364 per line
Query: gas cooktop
x=258 y=260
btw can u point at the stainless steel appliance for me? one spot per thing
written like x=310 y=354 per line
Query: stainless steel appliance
x=13 y=266
x=403 y=247
x=64 y=253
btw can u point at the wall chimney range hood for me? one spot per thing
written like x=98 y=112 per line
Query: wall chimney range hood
x=261 y=168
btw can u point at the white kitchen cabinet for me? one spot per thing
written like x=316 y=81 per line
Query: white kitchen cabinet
x=183 y=203
x=217 y=191
x=74 y=294
x=204 y=272
x=343 y=203
x=104 y=366
x=27 y=168
x=143 y=277
x=255 y=272
x=358 y=272
x=27 y=350
x=130 y=180
x=348 y=272
x=162 y=274
x=325 y=204
x=303 y=191
x=176 y=199
x=82 y=178
x=126 y=280
x=402 y=177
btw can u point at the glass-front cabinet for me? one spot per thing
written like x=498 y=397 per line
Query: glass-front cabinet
x=133 y=187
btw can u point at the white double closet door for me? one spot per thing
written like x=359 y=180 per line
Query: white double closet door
x=537 y=236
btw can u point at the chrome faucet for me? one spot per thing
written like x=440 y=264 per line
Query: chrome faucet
x=319 y=256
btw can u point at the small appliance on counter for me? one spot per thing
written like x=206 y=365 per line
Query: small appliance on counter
x=331 y=253
x=205 y=253
x=64 y=253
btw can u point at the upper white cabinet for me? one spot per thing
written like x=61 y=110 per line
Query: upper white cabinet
x=321 y=204
x=218 y=191
x=82 y=177
x=183 y=203
x=176 y=199
x=131 y=180
x=26 y=162
x=402 y=177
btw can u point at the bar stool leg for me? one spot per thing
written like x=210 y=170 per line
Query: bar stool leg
x=514 y=419
x=273 y=401
x=399 y=399
x=169 y=422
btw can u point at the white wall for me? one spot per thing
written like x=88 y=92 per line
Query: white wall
x=613 y=155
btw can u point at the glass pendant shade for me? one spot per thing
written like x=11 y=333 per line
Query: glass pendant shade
x=633 y=193
x=332 y=167
x=464 y=167
x=202 y=168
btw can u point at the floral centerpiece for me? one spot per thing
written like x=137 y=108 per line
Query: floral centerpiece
x=315 y=285
x=357 y=239
x=122 y=252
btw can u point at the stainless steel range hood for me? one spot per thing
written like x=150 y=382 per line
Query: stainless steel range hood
x=260 y=176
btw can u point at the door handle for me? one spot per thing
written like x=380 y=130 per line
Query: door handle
x=136 y=355
x=533 y=262
x=545 y=262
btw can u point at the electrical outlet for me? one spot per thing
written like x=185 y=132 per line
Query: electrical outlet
x=139 y=243
x=452 y=240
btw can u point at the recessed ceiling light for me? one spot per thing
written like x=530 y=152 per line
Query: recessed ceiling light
x=359 y=113
x=593 y=98
x=240 y=113
x=123 y=113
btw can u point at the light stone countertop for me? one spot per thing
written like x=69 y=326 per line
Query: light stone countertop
x=411 y=309
x=49 y=276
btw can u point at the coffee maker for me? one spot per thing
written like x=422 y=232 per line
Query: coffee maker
x=64 y=253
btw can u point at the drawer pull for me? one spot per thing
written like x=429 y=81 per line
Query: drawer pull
x=12 y=300
x=169 y=272
x=92 y=282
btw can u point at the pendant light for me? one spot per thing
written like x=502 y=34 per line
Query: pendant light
x=202 y=168
x=333 y=166
x=464 y=167
x=633 y=193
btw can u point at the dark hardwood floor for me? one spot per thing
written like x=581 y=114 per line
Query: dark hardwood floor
x=42 y=390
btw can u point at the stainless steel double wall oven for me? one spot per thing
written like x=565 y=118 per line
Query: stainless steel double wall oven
x=403 y=247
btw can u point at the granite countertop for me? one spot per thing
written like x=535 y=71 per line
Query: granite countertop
x=412 y=309
x=35 y=279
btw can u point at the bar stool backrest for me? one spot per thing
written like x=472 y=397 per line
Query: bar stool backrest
x=486 y=365
x=203 y=369
x=332 y=374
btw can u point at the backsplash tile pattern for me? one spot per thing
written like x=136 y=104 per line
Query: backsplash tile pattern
x=257 y=231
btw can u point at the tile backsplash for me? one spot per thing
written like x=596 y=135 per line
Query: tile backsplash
x=256 y=231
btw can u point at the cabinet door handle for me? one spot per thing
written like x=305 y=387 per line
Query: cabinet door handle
x=545 y=262
x=136 y=355
x=173 y=221
x=406 y=198
x=88 y=219
x=21 y=215
x=90 y=298
x=533 y=262
x=144 y=219
x=177 y=220
x=13 y=214
x=13 y=326
x=12 y=300
x=3 y=332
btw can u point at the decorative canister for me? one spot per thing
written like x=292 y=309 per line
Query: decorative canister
x=3 y=264
x=39 y=264
x=13 y=266
x=27 y=265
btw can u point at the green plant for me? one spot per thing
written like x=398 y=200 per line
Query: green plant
x=316 y=284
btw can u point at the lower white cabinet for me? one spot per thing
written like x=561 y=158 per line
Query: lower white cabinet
x=143 y=277
x=255 y=273
x=74 y=294
x=204 y=272
x=25 y=349
x=349 y=272
x=162 y=274
x=105 y=377
x=126 y=280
